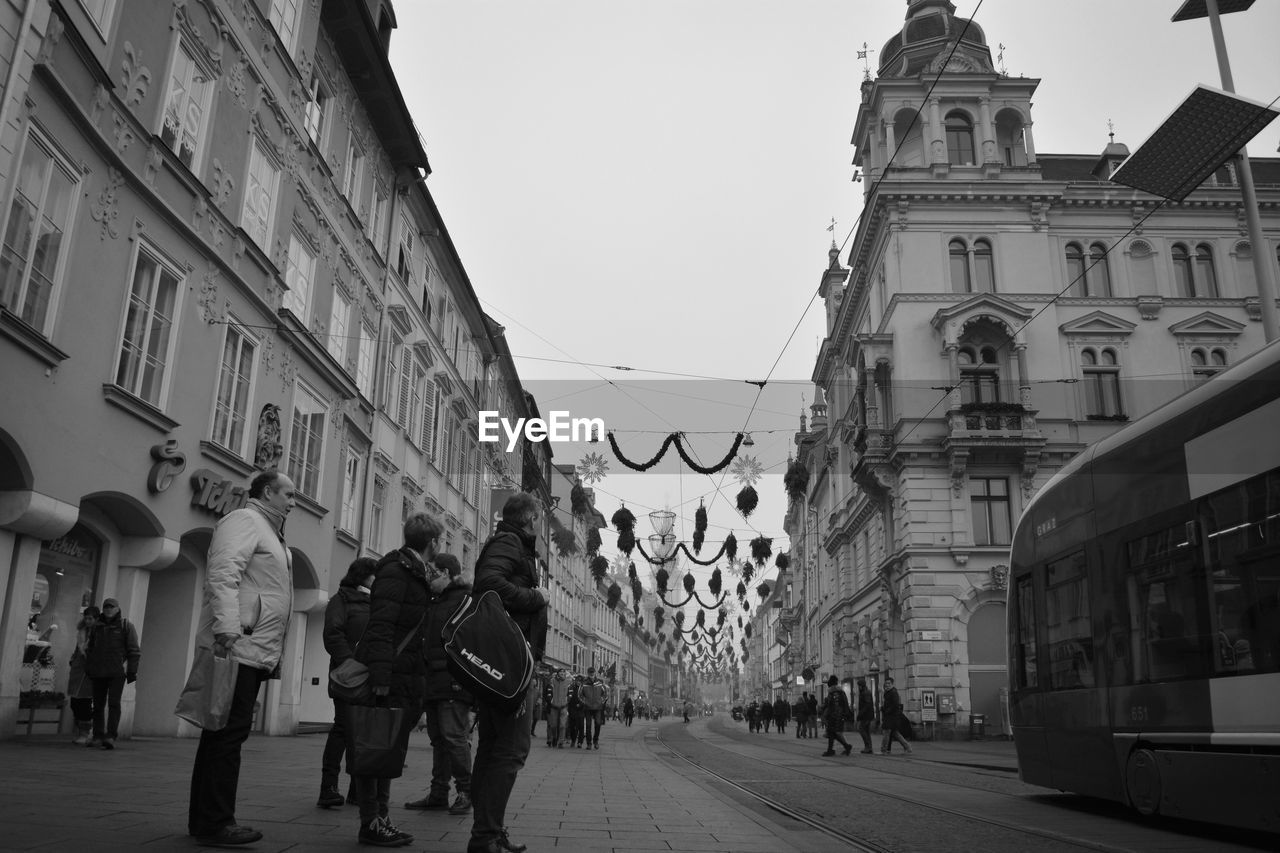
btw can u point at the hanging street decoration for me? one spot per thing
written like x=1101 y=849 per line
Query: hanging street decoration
x=746 y=470
x=676 y=439
x=699 y=527
x=614 y=596
x=593 y=540
x=593 y=468
x=761 y=549
x=663 y=577
x=796 y=480
x=747 y=500
x=763 y=590
x=579 y=502
x=625 y=521
x=599 y=567
x=782 y=561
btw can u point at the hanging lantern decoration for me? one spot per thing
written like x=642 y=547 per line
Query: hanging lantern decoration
x=689 y=583
x=699 y=527
x=613 y=596
x=731 y=547
x=625 y=521
x=593 y=540
x=796 y=480
x=747 y=500
x=782 y=561
x=748 y=572
x=748 y=630
x=715 y=582
x=662 y=577
x=701 y=619
x=599 y=567
x=742 y=593
x=763 y=590
x=626 y=541
x=637 y=591
x=761 y=549
x=721 y=616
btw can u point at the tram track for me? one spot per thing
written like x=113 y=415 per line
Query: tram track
x=785 y=767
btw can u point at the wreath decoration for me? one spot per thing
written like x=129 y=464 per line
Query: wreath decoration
x=675 y=438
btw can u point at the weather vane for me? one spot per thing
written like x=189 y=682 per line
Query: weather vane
x=832 y=229
x=866 y=64
x=1000 y=59
x=1111 y=130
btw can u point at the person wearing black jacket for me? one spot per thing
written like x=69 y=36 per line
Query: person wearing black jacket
x=393 y=649
x=507 y=565
x=111 y=662
x=448 y=705
x=866 y=715
x=345 y=618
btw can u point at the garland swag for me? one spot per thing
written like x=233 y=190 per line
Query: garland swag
x=675 y=438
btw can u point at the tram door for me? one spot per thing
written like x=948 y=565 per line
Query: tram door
x=988 y=671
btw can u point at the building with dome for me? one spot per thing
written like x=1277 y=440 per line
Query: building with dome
x=999 y=310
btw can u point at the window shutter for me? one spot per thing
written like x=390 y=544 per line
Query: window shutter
x=428 y=417
x=406 y=380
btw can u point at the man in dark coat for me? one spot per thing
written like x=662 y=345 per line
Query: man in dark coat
x=781 y=711
x=110 y=662
x=890 y=711
x=345 y=618
x=507 y=565
x=766 y=713
x=866 y=715
x=448 y=705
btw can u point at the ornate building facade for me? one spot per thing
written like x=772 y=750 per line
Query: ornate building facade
x=1001 y=309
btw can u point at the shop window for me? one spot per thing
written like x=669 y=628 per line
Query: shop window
x=1068 y=631
x=990 y=510
x=306 y=441
x=146 y=346
x=45 y=192
x=1101 y=383
x=235 y=379
x=65 y=583
x=187 y=106
x=959 y=130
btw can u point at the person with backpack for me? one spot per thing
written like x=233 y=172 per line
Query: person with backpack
x=890 y=712
x=834 y=712
x=591 y=694
x=111 y=662
x=345 y=618
x=507 y=565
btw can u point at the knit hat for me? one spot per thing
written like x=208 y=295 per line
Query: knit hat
x=833 y=681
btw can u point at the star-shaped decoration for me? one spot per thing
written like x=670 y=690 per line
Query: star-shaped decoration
x=593 y=468
x=746 y=470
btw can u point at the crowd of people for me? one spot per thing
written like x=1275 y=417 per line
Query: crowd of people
x=834 y=712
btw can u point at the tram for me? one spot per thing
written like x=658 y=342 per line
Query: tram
x=1144 y=610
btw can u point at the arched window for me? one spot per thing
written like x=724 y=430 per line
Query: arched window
x=1206 y=363
x=979 y=374
x=1244 y=269
x=1101 y=371
x=984 y=271
x=959 y=139
x=959 y=254
x=1099 y=277
x=1206 y=281
x=1182 y=280
x=1075 y=270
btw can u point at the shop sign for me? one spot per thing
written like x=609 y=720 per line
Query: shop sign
x=928 y=706
x=71 y=547
x=169 y=463
x=216 y=494
x=931 y=635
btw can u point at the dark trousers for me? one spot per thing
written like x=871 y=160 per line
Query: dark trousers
x=374 y=792
x=864 y=729
x=106 y=705
x=591 y=725
x=501 y=750
x=447 y=723
x=82 y=709
x=574 y=733
x=216 y=774
x=833 y=735
x=335 y=746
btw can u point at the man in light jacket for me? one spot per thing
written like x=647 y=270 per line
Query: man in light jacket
x=248 y=598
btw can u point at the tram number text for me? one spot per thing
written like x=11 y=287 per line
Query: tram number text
x=1138 y=714
x=1045 y=526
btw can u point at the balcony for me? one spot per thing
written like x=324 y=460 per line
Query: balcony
x=990 y=420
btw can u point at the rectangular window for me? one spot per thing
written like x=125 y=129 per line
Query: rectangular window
x=44 y=196
x=285 y=17
x=404 y=258
x=377 y=512
x=235 y=377
x=260 y=196
x=1025 y=671
x=1068 y=632
x=353 y=173
x=300 y=271
x=352 y=481
x=364 y=363
x=1164 y=595
x=989 y=503
x=306 y=441
x=99 y=11
x=147 y=342
x=317 y=105
x=337 y=341
x=186 y=110
x=378 y=219
x=416 y=391
x=391 y=373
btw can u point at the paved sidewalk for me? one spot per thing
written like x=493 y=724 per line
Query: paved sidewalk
x=59 y=797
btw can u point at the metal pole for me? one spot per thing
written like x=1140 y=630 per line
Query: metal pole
x=1261 y=261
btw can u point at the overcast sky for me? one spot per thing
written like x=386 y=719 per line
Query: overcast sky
x=649 y=184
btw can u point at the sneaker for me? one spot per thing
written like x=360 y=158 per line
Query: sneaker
x=431 y=802
x=908 y=749
x=108 y=743
x=381 y=832
x=829 y=752
x=81 y=739
x=330 y=798
x=461 y=804
x=868 y=751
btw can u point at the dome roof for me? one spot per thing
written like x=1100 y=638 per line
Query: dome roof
x=926 y=39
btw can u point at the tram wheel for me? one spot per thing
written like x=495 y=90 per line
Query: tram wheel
x=1142 y=781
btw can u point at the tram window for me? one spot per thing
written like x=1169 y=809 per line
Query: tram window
x=1242 y=528
x=1024 y=601
x=1164 y=608
x=1068 y=631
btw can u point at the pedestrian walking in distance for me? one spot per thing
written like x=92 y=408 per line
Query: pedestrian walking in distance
x=111 y=662
x=79 y=684
x=248 y=598
x=507 y=565
x=866 y=715
x=345 y=618
x=834 y=712
x=890 y=714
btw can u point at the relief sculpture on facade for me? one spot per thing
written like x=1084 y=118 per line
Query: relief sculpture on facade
x=267 y=446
